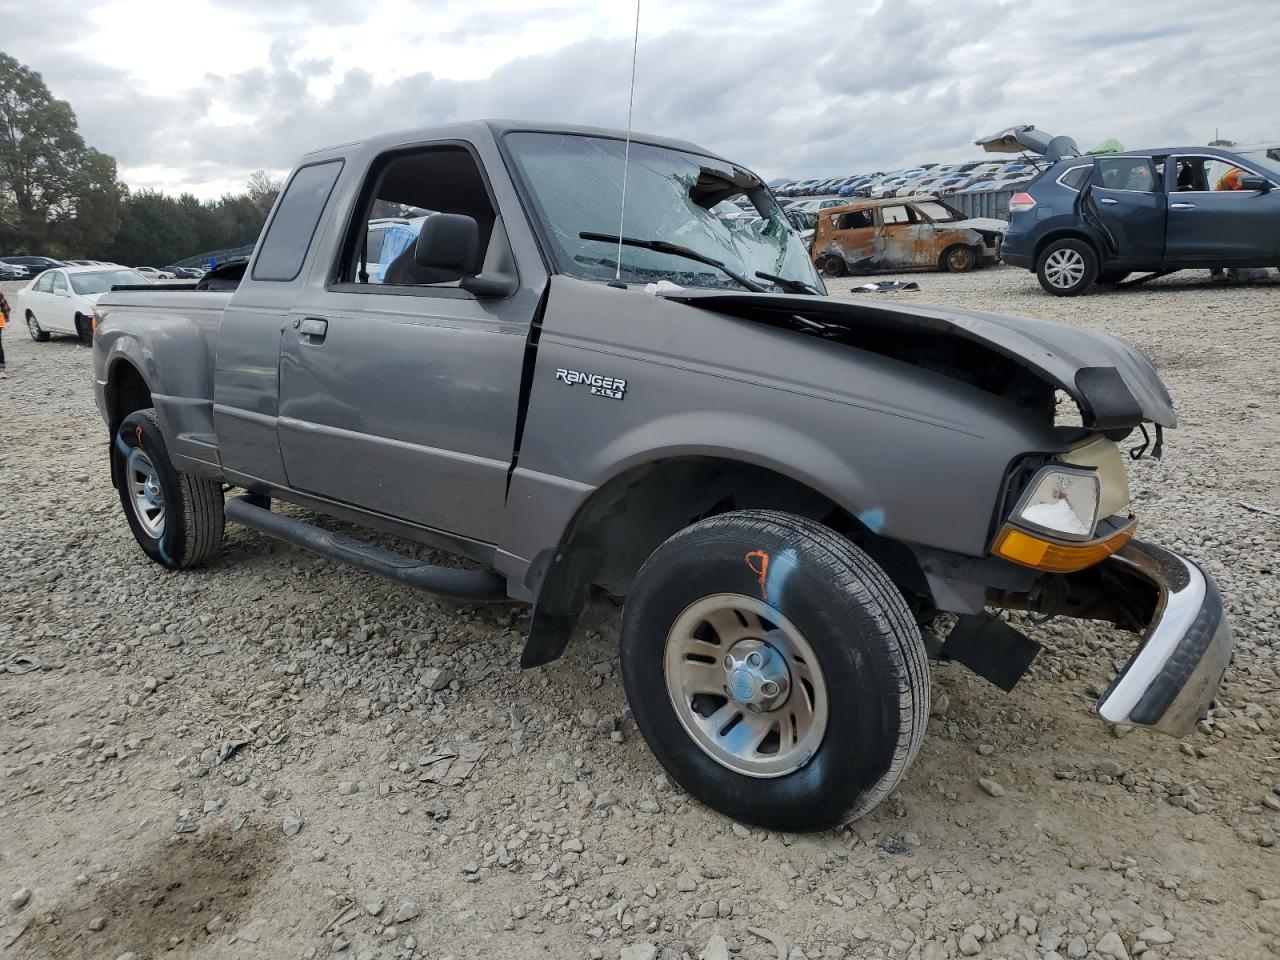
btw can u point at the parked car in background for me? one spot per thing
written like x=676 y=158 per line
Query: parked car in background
x=916 y=233
x=184 y=273
x=13 y=271
x=1089 y=220
x=152 y=274
x=62 y=300
x=35 y=265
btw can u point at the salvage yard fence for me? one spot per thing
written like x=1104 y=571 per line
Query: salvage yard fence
x=982 y=203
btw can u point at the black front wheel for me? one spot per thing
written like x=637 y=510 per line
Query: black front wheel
x=176 y=518
x=775 y=670
x=84 y=329
x=832 y=266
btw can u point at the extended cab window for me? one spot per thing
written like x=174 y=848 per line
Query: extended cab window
x=288 y=237
x=404 y=189
x=1126 y=173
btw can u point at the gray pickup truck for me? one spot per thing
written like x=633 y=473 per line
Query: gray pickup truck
x=788 y=489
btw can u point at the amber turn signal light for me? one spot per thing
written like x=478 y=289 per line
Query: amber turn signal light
x=1032 y=551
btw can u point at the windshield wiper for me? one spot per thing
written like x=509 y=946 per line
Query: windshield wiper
x=665 y=246
x=799 y=286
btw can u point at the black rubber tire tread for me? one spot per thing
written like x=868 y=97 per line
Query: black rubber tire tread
x=862 y=585
x=1091 y=271
x=945 y=260
x=84 y=329
x=192 y=533
x=43 y=336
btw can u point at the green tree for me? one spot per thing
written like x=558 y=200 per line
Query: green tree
x=57 y=196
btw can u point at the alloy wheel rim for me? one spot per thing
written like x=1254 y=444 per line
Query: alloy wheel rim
x=746 y=685
x=1064 y=268
x=145 y=493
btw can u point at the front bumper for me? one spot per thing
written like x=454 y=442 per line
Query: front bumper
x=1173 y=676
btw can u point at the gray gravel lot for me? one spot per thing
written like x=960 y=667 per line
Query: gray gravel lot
x=277 y=757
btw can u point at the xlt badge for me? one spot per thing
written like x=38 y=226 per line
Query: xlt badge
x=615 y=388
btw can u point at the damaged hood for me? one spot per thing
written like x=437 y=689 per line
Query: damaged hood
x=1113 y=384
x=987 y=224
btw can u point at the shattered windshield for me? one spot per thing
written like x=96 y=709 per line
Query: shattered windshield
x=682 y=198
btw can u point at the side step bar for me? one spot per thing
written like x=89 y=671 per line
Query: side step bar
x=484 y=586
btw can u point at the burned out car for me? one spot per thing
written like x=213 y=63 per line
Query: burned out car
x=785 y=487
x=893 y=233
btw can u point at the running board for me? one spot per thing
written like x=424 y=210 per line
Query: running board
x=484 y=586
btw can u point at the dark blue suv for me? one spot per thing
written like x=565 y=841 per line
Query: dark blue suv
x=1089 y=220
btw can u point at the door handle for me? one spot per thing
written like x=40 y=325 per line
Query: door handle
x=314 y=328
x=1107 y=200
x=1182 y=206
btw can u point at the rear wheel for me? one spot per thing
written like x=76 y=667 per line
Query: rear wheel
x=832 y=266
x=1067 y=268
x=33 y=328
x=176 y=518
x=959 y=259
x=775 y=670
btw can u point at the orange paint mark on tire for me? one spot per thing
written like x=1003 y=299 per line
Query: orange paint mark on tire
x=761 y=571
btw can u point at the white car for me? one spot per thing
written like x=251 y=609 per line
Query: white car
x=152 y=274
x=63 y=300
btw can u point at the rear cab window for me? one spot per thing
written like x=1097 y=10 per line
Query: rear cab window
x=288 y=237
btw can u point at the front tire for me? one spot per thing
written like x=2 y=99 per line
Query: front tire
x=1067 y=268
x=775 y=670
x=959 y=259
x=832 y=266
x=84 y=329
x=177 y=518
x=33 y=328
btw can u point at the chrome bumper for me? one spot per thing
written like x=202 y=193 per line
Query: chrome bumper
x=1173 y=676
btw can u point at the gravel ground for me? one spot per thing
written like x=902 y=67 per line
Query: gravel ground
x=277 y=757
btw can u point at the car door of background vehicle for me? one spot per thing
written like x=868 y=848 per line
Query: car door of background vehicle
x=403 y=397
x=902 y=240
x=1208 y=225
x=59 y=312
x=1127 y=203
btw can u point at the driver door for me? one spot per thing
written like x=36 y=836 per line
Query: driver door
x=60 y=309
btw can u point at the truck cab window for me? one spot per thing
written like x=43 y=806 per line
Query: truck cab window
x=403 y=190
x=288 y=238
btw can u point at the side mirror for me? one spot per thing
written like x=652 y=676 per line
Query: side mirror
x=1254 y=182
x=449 y=241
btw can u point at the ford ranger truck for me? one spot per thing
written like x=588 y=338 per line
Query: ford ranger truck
x=788 y=489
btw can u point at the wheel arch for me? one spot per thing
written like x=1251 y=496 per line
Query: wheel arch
x=1066 y=233
x=620 y=523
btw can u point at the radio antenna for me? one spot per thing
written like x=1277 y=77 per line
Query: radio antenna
x=626 y=157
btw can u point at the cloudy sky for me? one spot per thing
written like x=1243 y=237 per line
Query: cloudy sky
x=195 y=94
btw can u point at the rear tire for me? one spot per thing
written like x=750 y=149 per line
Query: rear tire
x=958 y=259
x=1067 y=268
x=33 y=328
x=176 y=518
x=849 y=709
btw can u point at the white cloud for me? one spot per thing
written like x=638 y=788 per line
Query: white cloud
x=195 y=94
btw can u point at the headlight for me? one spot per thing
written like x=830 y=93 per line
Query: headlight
x=1061 y=501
